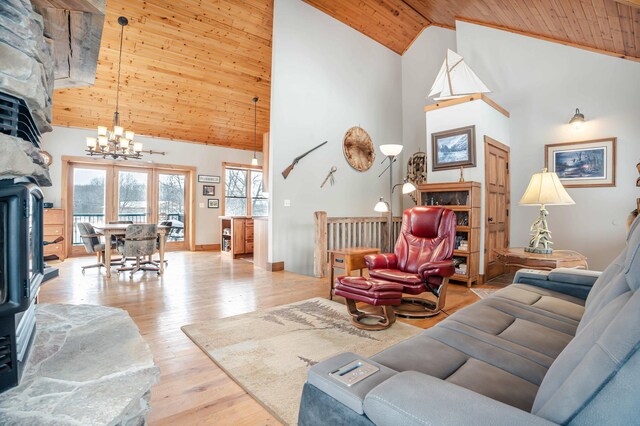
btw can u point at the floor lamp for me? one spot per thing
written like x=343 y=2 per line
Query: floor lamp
x=391 y=151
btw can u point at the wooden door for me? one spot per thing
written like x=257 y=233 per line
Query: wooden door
x=238 y=235
x=497 y=199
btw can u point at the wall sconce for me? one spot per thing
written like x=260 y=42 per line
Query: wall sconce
x=577 y=120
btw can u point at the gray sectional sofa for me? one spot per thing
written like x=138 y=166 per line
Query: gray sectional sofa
x=558 y=347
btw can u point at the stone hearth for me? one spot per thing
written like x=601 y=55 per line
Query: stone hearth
x=89 y=365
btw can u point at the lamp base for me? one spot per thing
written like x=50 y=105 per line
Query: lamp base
x=539 y=250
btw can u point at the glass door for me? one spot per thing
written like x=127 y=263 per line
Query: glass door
x=89 y=187
x=133 y=196
x=172 y=193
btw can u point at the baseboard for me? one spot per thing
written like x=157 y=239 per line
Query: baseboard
x=207 y=247
x=275 y=266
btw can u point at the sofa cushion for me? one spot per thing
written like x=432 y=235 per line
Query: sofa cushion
x=543 y=299
x=396 y=275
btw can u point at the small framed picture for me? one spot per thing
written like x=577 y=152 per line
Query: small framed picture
x=584 y=164
x=208 y=190
x=214 y=203
x=454 y=148
x=208 y=179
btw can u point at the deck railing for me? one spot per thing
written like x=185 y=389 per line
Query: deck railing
x=98 y=218
x=333 y=233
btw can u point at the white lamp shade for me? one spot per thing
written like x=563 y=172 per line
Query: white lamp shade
x=118 y=130
x=129 y=135
x=408 y=188
x=91 y=142
x=103 y=140
x=137 y=147
x=381 y=206
x=124 y=143
x=545 y=188
x=391 y=150
x=254 y=161
x=102 y=131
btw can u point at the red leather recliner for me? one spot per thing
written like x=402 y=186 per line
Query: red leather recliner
x=423 y=259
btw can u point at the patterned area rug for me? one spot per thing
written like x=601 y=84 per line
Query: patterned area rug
x=268 y=352
x=483 y=293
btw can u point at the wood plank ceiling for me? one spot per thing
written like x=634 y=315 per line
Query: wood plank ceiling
x=610 y=26
x=190 y=69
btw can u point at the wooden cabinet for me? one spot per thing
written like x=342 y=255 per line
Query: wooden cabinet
x=464 y=199
x=236 y=235
x=54 y=227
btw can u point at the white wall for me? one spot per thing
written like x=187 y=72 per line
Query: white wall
x=488 y=122
x=66 y=141
x=420 y=66
x=326 y=78
x=541 y=84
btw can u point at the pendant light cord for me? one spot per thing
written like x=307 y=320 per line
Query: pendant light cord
x=255 y=125
x=119 y=65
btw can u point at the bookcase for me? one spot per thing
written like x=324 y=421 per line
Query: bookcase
x=464 y=199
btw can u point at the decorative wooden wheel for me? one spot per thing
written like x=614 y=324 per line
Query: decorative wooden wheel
x=358 y=149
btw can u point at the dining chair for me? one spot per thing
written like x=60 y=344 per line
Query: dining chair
x=139 y=242
x=92 y=244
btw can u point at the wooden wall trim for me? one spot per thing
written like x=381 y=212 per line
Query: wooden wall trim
x=207 y=247
x=275 y=266
x=547 y=38
x=469 y=98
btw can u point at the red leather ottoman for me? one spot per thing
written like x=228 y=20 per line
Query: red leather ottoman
x=374 y=292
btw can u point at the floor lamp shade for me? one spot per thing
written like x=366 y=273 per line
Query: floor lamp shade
x=545 y=189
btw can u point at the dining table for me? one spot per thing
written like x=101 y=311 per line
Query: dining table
x=119 y=230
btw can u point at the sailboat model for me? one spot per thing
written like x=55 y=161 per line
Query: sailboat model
x=456 y=79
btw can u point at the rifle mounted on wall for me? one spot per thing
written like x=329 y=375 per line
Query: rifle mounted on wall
x=285 y=172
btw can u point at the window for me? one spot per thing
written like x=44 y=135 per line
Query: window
x=243 y=192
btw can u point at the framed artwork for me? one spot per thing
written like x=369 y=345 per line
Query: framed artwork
x=208 y=190
x=583 y=164
x=208 y=179
x=454 y=148
x=214 y=203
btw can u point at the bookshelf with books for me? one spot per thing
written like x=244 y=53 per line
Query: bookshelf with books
x=464 y=199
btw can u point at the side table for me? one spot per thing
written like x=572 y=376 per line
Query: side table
x=515 y=258
x=348 y=259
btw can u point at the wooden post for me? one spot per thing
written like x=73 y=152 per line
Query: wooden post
x=320 y=244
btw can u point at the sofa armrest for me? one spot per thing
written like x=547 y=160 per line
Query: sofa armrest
x=439 y=268
x=412 y=398
x=381 y=261
x=574 y=282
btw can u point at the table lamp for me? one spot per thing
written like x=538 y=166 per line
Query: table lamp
x=544 y=189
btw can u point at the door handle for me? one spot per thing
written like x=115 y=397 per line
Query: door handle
x=490 y=219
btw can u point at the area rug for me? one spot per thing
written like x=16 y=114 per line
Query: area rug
x=483 y=293
x=268 y=352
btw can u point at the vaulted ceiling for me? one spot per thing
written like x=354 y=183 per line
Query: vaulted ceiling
x=191 y=67
x=611 y=26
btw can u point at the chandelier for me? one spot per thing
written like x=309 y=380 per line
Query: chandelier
x=115 y=143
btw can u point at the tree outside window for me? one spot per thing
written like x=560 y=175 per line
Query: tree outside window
x=243 y=193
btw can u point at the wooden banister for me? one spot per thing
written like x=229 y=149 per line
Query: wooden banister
x=334 y=233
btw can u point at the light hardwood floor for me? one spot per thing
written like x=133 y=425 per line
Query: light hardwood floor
x=198 y=286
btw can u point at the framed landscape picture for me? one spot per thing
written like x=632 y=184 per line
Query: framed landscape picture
x=214 y=203
x=454 y=148
x=208 y=190
x=208 y=179
x=583 y=164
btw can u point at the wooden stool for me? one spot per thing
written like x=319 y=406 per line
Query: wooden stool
x=374 y=292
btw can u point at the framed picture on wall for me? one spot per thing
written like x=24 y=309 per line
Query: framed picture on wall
x=583 y=164
x=213 y=203
x=208 y=190
x=208 y=179
x=453 y=149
